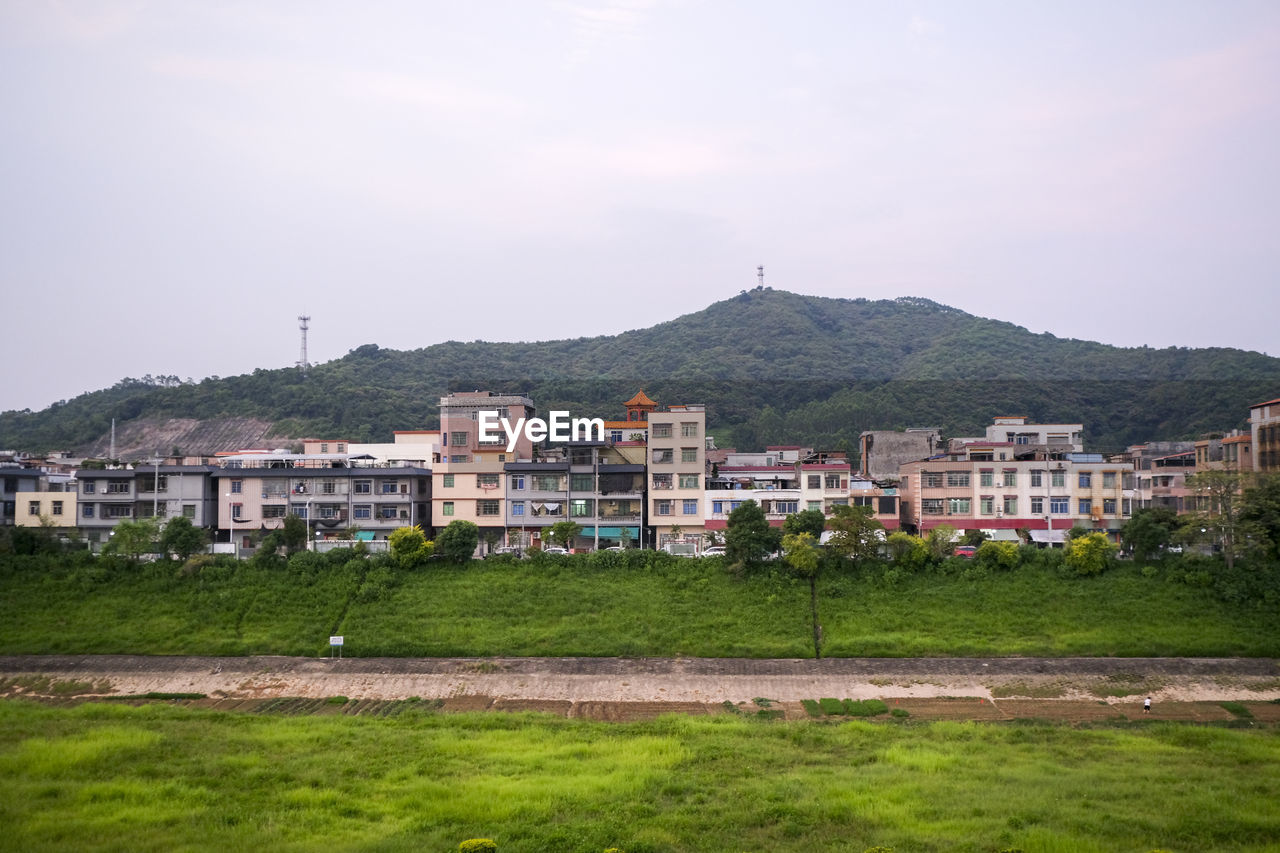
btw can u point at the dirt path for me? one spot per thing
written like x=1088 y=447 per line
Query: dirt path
x=981 y=685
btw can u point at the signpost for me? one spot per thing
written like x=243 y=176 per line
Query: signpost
x=335 y=643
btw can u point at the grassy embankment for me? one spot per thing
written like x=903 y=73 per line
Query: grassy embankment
x=102 y=777
x=570 y=606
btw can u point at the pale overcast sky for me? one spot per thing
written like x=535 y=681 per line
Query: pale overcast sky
x=180 y=180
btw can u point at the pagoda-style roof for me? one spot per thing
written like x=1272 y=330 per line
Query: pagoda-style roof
x=640 y=400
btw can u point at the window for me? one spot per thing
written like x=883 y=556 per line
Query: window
x=328 y=487
x=662 y=481
x=387 y=512
x=958 y=506
x=87 y=510
x=273 y=511
x=1108 y=479
x=1059 y=505
x=887 y=506
x=517 y=508
x=813 y=505
x=33 y=508
x=116 y=511
x=688 y=454
x=365 y=511
x=1086 y=479
x=1058 y=480
x=1010 y=505
x=462 y=457
x=581 y=508
x=863 y=501
x=363 y=487
x=717 y=507
x=445 y=509
x=1010 y=477
x=1086 y=506
x=581 y=483
x=390 y=487
x=987 y=477
x=1037 y=506
x=90 y=486
x=931 y=506
x=615 y=435
x=517 y=482
x=663 y=507
x=237 y=510
x=487 y=481
x=324 y=447
x=689 y=481
x=931 y=480
x=300 y=510
x=688 y=429
x=661 y=430
x=957 y=479
x=987 y=505
x=458 y=439
x=663 y=457
x=447 y=482
x=342 y=447
x=832 y=481
x=237 y=487
x=815 y=481
x=548 y=483
x=786 y=507
x=487 y=508
x=117 y=488
x=188 y=510
x=1037 y=479
x=690 y=507
x=1127 y=506
x=1108 y=506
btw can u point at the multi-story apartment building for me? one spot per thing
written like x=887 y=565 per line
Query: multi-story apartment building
x=969 y=490
x=1264 y=431
x=469 y=483
x=111 y=495
x=51 y=501
x=332 y=492
x=677 y=474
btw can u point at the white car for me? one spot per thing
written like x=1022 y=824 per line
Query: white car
x=552 y=549
x=714 y=551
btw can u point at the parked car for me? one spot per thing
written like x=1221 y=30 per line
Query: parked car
x=554 y=549
x=966 y=551
x=714 y=551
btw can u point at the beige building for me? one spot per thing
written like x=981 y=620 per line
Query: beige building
x=677 y=471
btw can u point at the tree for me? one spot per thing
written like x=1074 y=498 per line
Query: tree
x=457 y=542
x=748 y=538
x=1217 y=515
x=974 y=537
x=941 y=542
x=1089 y=553
x=562 y=533
x=855 y=533
x=907 y=551
x=132 y=539
x=801 y=553
x=409 y=547
x=1261 y=515
x=811 y=521
x=294 y=533
x=182 y=538
x=1148 y=532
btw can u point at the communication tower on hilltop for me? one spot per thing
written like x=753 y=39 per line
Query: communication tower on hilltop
x=303 y=364
x=760 y=275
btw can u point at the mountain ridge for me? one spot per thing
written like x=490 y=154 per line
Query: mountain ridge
x=772 y=366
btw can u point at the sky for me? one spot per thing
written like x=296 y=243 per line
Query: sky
x=179 y=181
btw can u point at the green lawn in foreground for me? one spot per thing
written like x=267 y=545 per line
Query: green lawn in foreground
x=104 y=777
x=567 y=607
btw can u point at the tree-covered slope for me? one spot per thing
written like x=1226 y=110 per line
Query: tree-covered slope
x=771 y=366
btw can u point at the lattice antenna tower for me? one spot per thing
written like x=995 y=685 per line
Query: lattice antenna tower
x=303 y=324
x=760 y=275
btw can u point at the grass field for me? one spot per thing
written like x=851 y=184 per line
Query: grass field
x=571 y=607
x=160 y=778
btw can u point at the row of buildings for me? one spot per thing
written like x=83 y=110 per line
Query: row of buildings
x=652 y=477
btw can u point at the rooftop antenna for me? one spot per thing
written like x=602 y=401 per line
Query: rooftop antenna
x=760 y=275
x=303 y=321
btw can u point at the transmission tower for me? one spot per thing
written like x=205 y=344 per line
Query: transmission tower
x=303 y=364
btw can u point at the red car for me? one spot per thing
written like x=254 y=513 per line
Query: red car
x=966 y=551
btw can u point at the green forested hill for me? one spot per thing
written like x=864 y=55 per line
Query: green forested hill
x=772 y=367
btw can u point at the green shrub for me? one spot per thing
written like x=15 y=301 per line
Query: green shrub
x=997 y=556
x=865 y=707
x=831 y=706
x=1089 y=553
x=337 y=700
x=900 y=713
x=811 y=707
x=478 y=845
